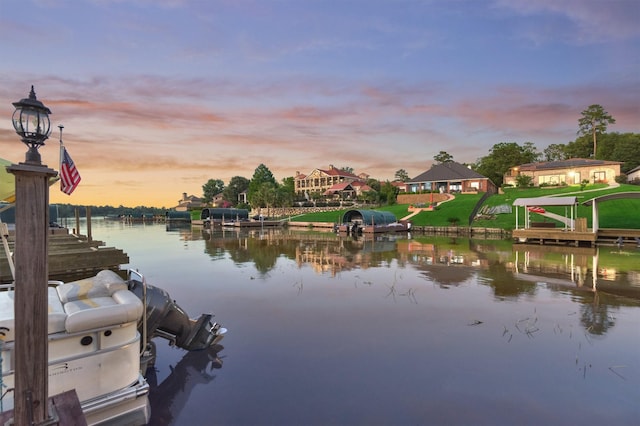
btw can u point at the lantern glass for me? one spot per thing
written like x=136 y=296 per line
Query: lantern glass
x=32 y=124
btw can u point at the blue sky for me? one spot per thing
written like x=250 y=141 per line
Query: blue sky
x=158 y=96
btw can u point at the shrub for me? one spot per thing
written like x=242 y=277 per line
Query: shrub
x=524 y=181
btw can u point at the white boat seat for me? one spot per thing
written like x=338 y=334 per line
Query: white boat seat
x=57 y=315
x=104 y=284
x=100 y=301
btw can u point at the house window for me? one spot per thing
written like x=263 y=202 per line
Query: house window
x=551 y=180
x=599 y=177
x=574 y=178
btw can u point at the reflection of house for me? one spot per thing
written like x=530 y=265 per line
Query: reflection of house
x=189 y=202
x=334 y=181
x=571 y=172
x=450 y=177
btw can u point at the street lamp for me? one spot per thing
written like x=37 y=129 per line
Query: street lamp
x=31 y=121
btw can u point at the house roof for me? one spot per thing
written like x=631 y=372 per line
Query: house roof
x=451 y=171
x=565 y=164
x=333 y=171
x=635 y=169
x=342 y=186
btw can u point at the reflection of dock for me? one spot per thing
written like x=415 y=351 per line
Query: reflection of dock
x=253 y=223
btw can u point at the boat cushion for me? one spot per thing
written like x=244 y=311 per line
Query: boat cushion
x=104 y=284
x=57 y=315
x=100 y=301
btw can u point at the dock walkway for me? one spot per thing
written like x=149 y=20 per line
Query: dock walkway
x=71 y=256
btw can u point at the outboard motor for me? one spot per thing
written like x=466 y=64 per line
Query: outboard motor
x=168 y=320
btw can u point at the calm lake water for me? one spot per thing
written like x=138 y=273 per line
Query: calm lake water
x=392 y=331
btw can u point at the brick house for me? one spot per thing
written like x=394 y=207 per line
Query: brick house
x=565 y=172
x=189 y=202
x=450 y=177
x=329 y=181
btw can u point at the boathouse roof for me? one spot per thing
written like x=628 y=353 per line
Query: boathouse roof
x=369 y=217
x=546 y=201
x=614 y=196
x=224 y=213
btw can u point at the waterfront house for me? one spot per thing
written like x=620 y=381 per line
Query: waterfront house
x=189 y=202
x=334 y=180
x=450 y=177
x=565 y=172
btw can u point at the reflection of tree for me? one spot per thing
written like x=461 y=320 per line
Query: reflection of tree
x=594 y=315
x=446 y=275
x=264 y=253
x=503 y=281
x=263 y=248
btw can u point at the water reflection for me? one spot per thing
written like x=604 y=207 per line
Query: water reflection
x=394 y=330
x=169 y=397
x=511 y=270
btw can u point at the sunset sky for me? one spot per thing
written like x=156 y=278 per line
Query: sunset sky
x=158 y=96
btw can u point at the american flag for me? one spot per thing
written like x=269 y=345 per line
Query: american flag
x=69 y=176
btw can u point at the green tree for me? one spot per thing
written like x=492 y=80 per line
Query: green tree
x=388 y=193
x=502 y=157
x=286 y=192
x=443 y=157
x=212 y=188
x=237 y=184
x=261 y=175
x=524 y=181
x=374 y=184
x=594 y=121
x=555 y=152
x=624 y=147
x=347 y=169
x=402 y=175
x=580 y=148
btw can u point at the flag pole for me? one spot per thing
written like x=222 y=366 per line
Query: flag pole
x=60 y=126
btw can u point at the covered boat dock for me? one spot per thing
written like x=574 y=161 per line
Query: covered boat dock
x=370 y=221
x=573 y=230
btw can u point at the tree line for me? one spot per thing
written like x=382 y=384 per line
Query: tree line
x=263 y=190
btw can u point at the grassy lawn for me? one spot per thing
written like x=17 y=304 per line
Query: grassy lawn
x=613 y=214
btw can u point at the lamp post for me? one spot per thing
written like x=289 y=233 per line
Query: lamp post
x=31 y=122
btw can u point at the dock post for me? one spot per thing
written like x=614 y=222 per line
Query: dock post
x=31 y=297
x=88 y=214
x=77 y=212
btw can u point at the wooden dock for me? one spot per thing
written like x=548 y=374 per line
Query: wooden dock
x=586 y=238
x=72 y=257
